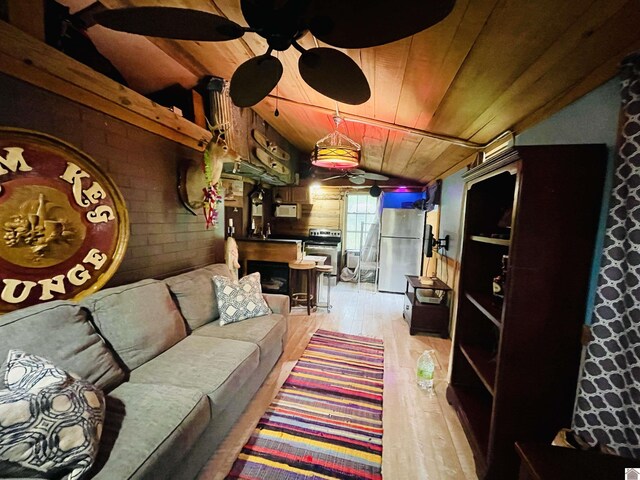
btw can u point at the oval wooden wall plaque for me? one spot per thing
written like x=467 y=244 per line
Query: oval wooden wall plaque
x=63 y=223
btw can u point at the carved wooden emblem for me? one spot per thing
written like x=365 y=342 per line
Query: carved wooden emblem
x=64 y=225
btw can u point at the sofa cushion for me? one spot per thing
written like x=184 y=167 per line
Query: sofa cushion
x=61 y=332
x=278 y=303
x=50 y=422
x=240 y=300
x=267 y=331
x=219 y=269
x=196 y=296
x=215 y=366
x=139 y=320
x=148 y=430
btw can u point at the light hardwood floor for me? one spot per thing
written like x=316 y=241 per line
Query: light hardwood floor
x=422 y=436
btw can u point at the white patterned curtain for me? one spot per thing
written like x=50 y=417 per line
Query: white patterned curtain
x=608 y=404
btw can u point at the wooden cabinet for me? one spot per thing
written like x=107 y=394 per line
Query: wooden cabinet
x=293 y=194
x=516 y=359
x=426 y=317
x=300 y=195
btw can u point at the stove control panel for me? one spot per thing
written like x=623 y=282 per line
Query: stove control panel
x=325 y=233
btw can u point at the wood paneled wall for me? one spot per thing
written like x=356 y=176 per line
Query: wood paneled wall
x=323 y=208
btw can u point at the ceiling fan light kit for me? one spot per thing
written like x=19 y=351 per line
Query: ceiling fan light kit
x=336 y=150
x=338 y=23
x=339 y=158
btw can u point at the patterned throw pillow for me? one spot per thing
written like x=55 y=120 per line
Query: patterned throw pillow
x=240 y=300
x=50 y=421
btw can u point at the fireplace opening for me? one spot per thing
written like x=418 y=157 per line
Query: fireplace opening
x=274 y=277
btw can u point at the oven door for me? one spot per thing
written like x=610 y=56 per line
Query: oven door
x=330 y=251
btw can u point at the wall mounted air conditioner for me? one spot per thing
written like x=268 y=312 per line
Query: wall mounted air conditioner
x=353 y=257
x=288 y=210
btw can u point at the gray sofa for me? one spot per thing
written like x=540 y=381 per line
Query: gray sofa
x=176 y=381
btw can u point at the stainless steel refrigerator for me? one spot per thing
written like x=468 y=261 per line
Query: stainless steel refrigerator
x=401 y=235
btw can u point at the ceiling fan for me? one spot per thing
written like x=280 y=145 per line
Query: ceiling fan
x=357 y=176
x=339 y=23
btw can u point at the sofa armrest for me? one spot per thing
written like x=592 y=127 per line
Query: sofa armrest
x=277 y=303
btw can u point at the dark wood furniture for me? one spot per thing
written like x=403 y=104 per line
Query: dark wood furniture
x=426 y=317
x=516 y=360
x=546 y=462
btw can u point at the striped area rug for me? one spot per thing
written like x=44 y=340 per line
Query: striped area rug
x=326 y=421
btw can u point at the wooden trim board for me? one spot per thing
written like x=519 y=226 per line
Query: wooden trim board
x=25 y=58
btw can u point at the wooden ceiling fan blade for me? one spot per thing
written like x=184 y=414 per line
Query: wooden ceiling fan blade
x=374 y=176
x=334 y=74
x=275 y=16
x=357 y=180
x=369 y=23
x=331 y=178
x=259 y=14
x=356 y=171
x=254 y=79
x=170 y=22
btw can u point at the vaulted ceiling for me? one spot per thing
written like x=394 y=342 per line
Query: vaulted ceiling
x=490 y=66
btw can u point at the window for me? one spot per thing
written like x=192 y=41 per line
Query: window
x=362 y=211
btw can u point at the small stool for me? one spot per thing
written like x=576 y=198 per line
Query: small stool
x=322 y=272
x=299 y=297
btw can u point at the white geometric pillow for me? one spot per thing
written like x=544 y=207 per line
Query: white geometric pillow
x=240 y=300
x=50 y=421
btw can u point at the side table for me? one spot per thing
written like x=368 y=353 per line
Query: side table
x=423 y=316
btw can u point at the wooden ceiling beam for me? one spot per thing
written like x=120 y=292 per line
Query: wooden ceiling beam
x=25 y=58
x=388 y=125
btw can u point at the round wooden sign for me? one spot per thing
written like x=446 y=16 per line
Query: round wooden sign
x=64 y=224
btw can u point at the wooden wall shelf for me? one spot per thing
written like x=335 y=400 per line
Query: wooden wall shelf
x=484 y=364
x=488 y=305
x=493 y=241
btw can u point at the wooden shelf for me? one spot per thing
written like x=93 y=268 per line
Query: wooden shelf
x=483 y=363
x=474 y=413
x=487 y=304
x=30 y=60
x=521 y=394
x=505 y=242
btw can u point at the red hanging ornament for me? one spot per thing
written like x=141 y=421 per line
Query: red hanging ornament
x=210 y=206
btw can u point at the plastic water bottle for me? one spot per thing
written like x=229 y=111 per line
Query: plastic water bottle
x=426 y=366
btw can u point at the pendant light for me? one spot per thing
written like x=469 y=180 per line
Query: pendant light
x=336 y=150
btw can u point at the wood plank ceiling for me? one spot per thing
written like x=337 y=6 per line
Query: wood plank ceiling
x=490 y=66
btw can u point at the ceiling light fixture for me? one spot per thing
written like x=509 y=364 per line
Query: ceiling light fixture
x=336 y=150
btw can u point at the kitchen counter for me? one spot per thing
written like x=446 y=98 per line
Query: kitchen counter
x=267 y=240
x=268 y=250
